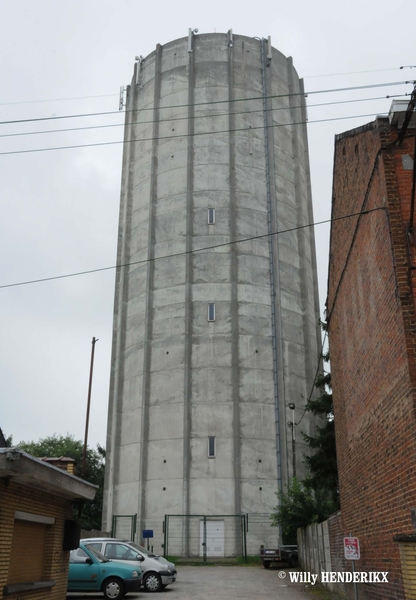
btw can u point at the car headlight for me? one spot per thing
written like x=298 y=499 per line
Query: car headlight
x=169 y=570
x=134 y=574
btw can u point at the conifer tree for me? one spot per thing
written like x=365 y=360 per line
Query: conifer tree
x=322 y=463
x=316 y=497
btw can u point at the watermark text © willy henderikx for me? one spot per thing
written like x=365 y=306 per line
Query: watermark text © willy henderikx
x=336 y=577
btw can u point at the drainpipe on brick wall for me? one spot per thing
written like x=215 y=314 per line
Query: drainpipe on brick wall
x=409 y=112
x=412 y=199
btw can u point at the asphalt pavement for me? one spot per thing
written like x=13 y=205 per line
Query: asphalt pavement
x=225 y=583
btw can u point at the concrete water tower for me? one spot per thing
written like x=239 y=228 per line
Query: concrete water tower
x=215 y=322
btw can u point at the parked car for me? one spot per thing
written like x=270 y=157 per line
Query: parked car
x=91 y=571
x=157 y=571
x=287 y=554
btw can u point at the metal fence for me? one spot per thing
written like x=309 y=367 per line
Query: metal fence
x=205 y=537
x=261 y=532
x=92 y=533
x=124 y=527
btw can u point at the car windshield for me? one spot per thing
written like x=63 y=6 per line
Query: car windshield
x=97 y=554
x=143 y=550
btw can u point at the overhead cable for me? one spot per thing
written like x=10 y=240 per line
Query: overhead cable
x=207 y=116
x=184 y=135
x=56 y=99
x=16 y=102
x=355 y=232
x=195 y=250
x=214 y=102
x=318 y=368
x=358 y=72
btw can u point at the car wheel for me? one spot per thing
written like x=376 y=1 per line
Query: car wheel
x=266 y=564
x=152 y=582
x=113 y=588
x=293 y=561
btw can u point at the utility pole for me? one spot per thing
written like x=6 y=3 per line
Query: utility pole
x=84 y=458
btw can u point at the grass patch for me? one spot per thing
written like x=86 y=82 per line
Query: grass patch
x=251 y=561
x=320 y=592
x=196 y=561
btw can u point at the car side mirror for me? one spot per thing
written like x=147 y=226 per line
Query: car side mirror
x=89 y=561
x=140 y=558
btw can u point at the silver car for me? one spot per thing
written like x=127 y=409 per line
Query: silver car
x=157 y=571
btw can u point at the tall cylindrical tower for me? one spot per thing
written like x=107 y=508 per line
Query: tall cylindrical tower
x=216 y=315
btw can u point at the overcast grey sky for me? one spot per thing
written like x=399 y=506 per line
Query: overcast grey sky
x=59 y=209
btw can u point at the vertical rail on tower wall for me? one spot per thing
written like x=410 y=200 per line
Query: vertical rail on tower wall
x=267 y=57
x=165 y=535
x=269 y=50
x=204 y=540
x=245 y=529
x=134 y=527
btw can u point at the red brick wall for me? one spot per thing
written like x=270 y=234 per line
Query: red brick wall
x=337 y=533
x=372 y=331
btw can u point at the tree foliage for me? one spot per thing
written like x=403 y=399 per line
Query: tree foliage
x=58 y=445
x=301 y=505
x=322 y=463
x=317 y=497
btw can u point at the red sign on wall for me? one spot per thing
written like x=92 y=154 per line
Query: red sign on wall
x=351 y=548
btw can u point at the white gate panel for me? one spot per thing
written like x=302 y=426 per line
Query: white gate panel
x=215 y=538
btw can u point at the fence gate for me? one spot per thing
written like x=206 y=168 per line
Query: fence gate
x=205 y=537
x=124 y=526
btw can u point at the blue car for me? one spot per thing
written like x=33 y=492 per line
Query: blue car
x=91 y=571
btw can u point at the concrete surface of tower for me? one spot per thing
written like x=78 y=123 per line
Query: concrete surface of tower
x=214 y=337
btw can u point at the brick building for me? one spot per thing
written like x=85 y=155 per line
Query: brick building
x=372 y=336
x=36 y=526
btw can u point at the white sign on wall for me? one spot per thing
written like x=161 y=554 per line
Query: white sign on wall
x=351 y=548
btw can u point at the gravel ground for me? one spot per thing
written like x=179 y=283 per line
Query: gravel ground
x=226 y=583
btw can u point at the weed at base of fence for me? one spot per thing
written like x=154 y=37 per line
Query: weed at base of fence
x=319 y=592
x=251 y=561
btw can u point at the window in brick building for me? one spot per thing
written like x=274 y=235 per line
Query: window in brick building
x=29 y=540
x=407 y=162
x=28 y=551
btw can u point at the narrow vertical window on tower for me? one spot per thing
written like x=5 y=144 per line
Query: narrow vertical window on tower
x=211 y=311
x=211 y=447
x=211 y=216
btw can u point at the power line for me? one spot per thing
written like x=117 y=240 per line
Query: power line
x=314 y=379
x=358 y=72
x=355 y=232
x=207 y=116
x=183 y=135
x=16 y=102
x=185 y=252
x=214 y=102
x=56 y=99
